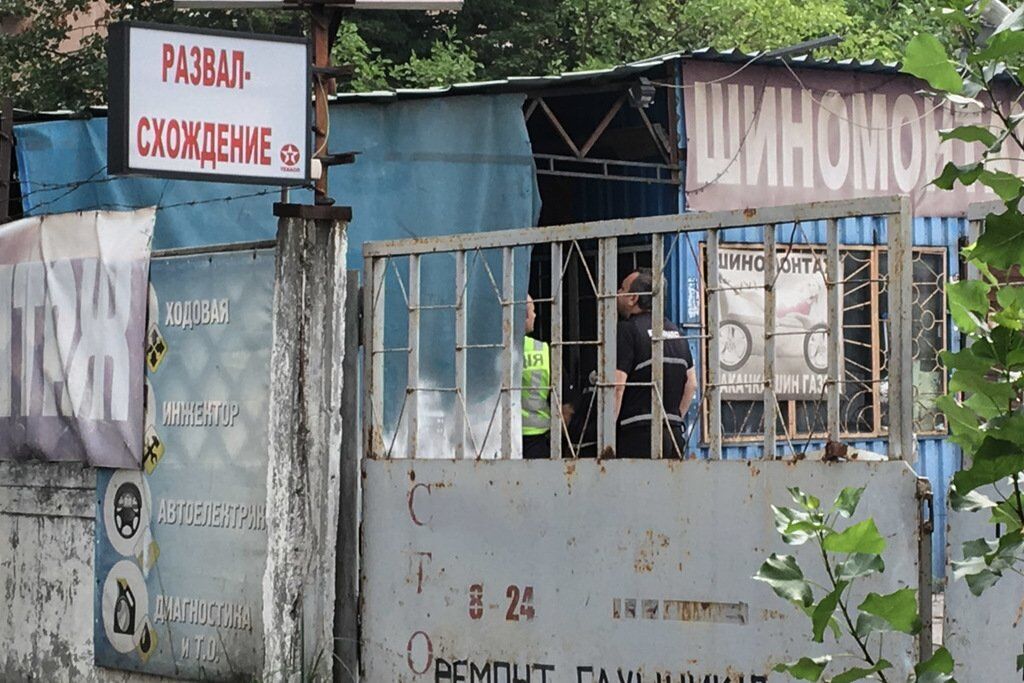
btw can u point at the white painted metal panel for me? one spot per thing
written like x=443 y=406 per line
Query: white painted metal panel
x=566 y=569
x=981 y=632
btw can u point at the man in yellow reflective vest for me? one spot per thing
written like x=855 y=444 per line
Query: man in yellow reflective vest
x=536 y=391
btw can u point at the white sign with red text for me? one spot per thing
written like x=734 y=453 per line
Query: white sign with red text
x=209 y=104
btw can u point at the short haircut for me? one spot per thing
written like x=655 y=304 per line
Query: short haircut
x=642 y=286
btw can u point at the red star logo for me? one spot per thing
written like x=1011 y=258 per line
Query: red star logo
x=290 y=155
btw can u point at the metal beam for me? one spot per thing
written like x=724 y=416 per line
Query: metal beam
x=508 y=378
x=461 y=417
x=603 y=125
x=555 y=433
x=714 y=369
x=412 y=407
x=835 y=329
x=607 y=322
x=657 y=346
x=769 y=399
x=901 y=300
x=690 y=222
x=374 y=270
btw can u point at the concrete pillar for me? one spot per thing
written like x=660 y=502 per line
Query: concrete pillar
x=305 y=442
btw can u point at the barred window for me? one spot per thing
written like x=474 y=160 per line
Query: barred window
x=864 y=401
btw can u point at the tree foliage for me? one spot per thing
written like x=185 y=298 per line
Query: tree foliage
x=975 y=71
x=487 y=39
x=856 y=628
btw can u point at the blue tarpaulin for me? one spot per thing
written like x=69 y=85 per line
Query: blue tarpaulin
x=426 y=167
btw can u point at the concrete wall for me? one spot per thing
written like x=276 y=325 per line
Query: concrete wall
x=47 y=523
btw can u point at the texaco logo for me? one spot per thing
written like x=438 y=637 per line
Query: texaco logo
x=290 y=155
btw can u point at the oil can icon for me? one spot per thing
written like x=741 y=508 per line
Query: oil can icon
x=124 y=609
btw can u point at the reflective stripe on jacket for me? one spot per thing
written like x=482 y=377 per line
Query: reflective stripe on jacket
x=536 y=383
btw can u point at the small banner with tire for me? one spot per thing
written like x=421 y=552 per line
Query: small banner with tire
x=801 y=323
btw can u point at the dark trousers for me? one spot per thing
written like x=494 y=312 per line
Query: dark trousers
x=634 y=441
x=536 y=446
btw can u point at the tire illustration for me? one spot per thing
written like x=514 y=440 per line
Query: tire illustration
x=734 y=345
x=816 y=349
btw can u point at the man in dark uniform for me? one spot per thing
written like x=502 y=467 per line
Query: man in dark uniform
x=633 y=365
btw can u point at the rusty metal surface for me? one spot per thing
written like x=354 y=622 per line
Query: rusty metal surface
x=571 y=568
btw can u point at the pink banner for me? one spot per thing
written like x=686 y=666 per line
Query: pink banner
x=766 y=135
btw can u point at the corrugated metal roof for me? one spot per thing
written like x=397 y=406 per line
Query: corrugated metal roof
x=618 y=73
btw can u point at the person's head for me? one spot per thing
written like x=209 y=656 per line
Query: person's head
x=531 y=314
x=635 y=293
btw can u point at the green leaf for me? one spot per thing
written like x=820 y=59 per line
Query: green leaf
x=994 y=460
x=1000 y=47
x=862 y=538
x=1011 y=296
x=1006 y=514
x=860 y=673
x=1006 y=185
x=899 y=609
x=847 y=501
x=795 y=526
x=822 y=614
x=968 y=302
x=972 y=501
x=998 y=392
x=937 y=669
x=966 y=359
x=806 y=668
x=1004 y=342
x=983 y=406
x=783 y=574
x=982 y=581
x=940 y=662
x=859 y=565
x=868 y=624
x=963 y=422
x=1008 y=428
x=966 y=174
x=1001 y=244
x=926 y=58
x=804 y=500
x=970 y=134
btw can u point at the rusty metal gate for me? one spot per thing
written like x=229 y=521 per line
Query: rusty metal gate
x=478 y=566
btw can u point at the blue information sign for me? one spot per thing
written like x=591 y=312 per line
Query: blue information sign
x=181 y=545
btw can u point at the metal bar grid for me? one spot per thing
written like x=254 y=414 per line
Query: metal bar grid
x=380 y=256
